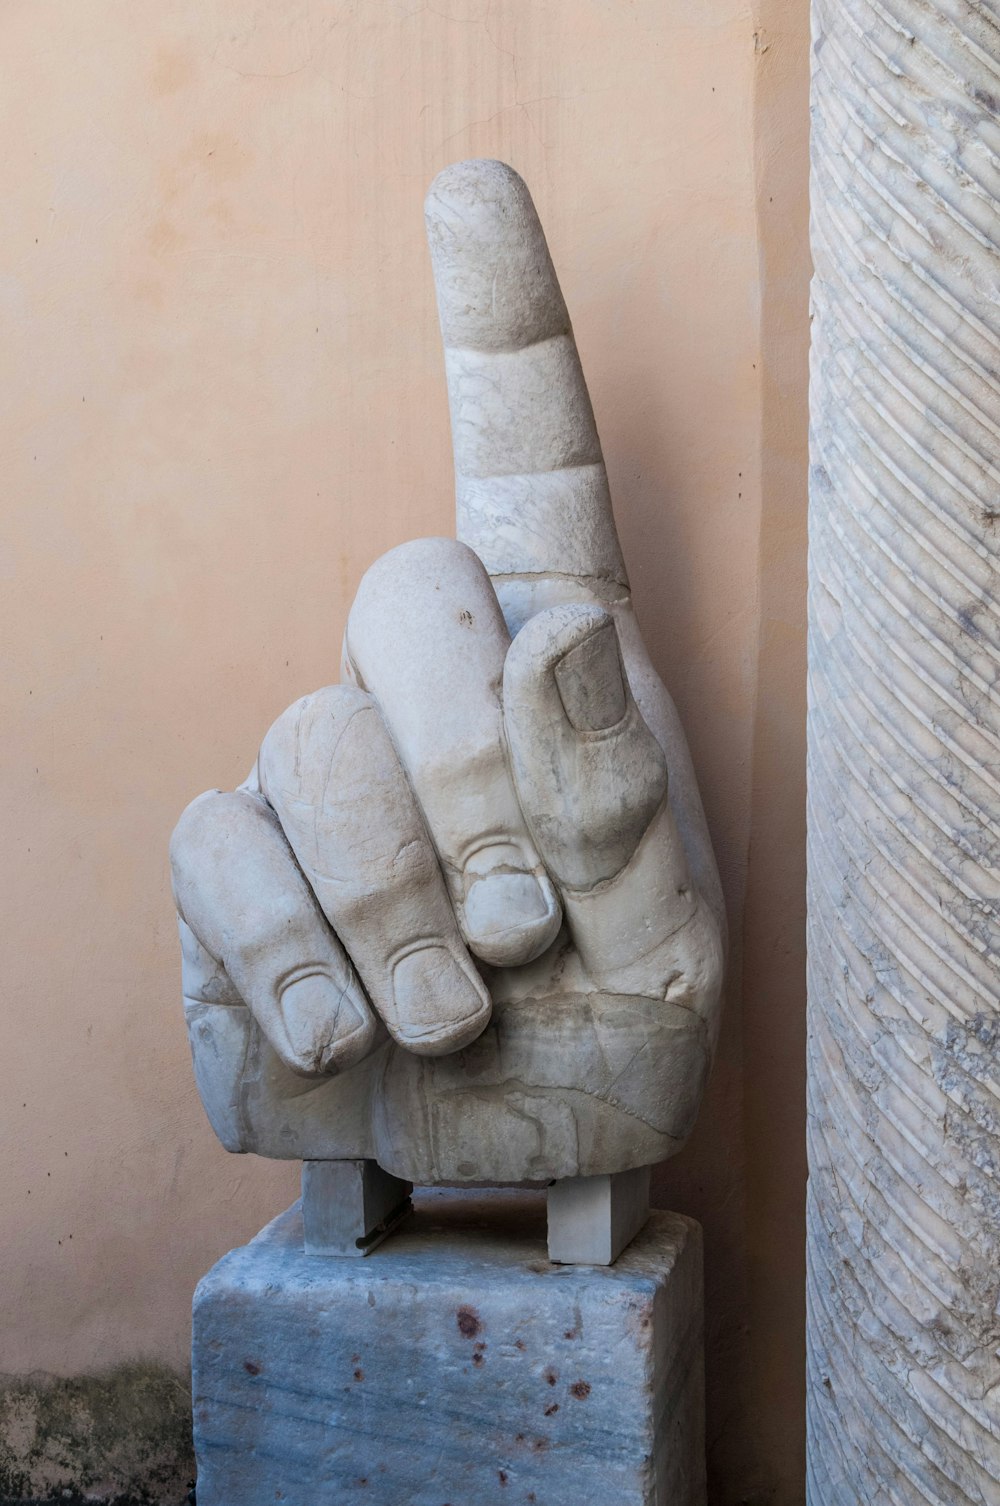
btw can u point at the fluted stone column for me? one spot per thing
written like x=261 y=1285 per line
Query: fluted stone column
x=904 y=1124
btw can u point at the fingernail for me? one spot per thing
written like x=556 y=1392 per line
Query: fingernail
x=327 y=1027
x=439 y=1008
x=591 y=683
x=510 y=914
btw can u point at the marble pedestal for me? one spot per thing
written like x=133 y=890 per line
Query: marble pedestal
x=455 y=1366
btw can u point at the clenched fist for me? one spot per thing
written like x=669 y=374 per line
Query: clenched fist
x=464 y=917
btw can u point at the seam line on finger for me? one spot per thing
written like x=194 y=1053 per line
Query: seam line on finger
x=542 y=470
x=514 y=348
x=622 y=597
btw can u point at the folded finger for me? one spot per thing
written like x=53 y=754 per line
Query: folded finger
x=427 y=638
x=239 y=889
x=329 y=769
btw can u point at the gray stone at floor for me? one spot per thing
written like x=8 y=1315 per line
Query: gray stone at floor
x=455 y=1366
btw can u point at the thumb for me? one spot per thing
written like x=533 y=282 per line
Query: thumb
x=590 y=774
x=592 y=782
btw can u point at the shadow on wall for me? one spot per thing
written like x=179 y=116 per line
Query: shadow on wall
x=123 y=1438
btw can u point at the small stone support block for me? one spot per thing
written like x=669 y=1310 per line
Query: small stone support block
x=593 y=1219
x=348 y=1207
x=455 y=1367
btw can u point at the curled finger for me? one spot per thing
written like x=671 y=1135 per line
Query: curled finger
x=239 y=889
x=330 y=770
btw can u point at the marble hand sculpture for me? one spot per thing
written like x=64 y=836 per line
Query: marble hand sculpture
x=464 y=918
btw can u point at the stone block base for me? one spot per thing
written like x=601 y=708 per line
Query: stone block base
x=456 y=1366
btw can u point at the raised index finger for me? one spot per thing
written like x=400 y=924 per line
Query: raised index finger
x=532 y=491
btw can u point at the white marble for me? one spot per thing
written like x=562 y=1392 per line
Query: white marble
x=904 y=1096
x=463 y=918
x=591 y=1220
x=349 y=1207
x=454 y=1365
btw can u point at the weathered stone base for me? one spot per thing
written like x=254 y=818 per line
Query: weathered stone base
x=454 y=1367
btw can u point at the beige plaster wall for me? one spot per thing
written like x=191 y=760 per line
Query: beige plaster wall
x=221 y=398
x=773 y=1014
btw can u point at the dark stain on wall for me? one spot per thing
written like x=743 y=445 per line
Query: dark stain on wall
x=121 y=1438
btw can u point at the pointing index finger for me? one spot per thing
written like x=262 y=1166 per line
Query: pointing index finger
x=531 y=488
